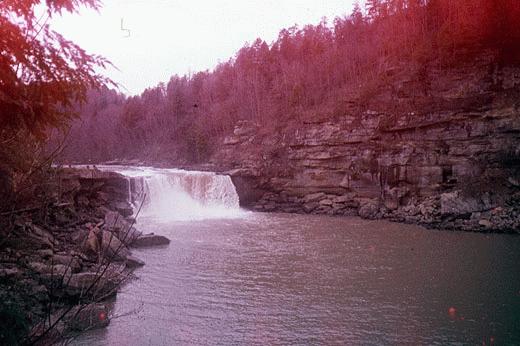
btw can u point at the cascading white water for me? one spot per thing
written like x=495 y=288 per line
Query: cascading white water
x=178 y=195
x=181 y=195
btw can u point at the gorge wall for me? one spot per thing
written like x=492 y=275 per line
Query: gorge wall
x=438 y=146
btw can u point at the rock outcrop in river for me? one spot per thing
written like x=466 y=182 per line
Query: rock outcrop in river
x=438 y=146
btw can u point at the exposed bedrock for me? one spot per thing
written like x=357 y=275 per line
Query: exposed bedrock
x=442 y=151
x=75 y=256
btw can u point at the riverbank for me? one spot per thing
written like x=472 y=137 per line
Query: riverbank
x=492 y=208
x=60 y=261
x=436 y=146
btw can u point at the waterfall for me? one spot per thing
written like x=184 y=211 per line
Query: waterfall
x=178 y=195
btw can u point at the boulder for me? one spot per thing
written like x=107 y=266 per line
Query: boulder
x=314 y=197
x=67 y=260
x=58 y=272
x=369 y=210
x=112 y=247
x=78 y=284
x=114 y=220
x=309 y=207
x=45 y=253
x=452 y=203
x=343 y=198
x=41 y=235
x=133 y=262
x=124 y=208
x=92 y=316
x=128 y=235
x=42 y=268
x=150 y=240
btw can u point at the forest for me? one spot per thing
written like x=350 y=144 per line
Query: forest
x=309 y=71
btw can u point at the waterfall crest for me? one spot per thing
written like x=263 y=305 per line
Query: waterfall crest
x=178 y=195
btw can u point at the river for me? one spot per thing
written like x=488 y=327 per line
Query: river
x=245 y=278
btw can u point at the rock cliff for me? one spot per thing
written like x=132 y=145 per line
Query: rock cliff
x=438 y=145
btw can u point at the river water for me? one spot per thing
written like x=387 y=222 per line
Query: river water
x=279 y=279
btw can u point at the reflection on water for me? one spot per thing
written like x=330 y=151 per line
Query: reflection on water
x=271 y=279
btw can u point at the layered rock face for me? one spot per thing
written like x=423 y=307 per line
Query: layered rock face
x=439 y=147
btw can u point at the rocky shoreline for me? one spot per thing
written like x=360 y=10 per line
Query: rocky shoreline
x=440 y=149
x=449 y=211
x=449 y=207
x=57 y=271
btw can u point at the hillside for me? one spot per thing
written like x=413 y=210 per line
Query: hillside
x=407 y=110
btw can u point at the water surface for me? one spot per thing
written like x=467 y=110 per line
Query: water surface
x=279 y=279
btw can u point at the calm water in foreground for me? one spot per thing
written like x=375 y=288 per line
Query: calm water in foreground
x=275 y=279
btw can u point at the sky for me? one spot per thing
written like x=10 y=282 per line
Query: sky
x=170 y=37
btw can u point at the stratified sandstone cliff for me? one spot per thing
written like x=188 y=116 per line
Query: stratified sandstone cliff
x=434 y=145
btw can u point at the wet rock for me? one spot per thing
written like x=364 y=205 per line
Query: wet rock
x=133 y=262
x=115 y=221
x=112 y=247
x=92 y=316
x=369 y=210
x=92 y=283
x=82 y=281
x=124 y=208
x=73 y=262
x=150 y=240
x=128 y=235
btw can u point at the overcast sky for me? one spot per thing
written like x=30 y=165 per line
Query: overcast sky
x=170 y=37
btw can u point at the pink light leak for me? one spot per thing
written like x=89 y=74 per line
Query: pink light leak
x=102 y=316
